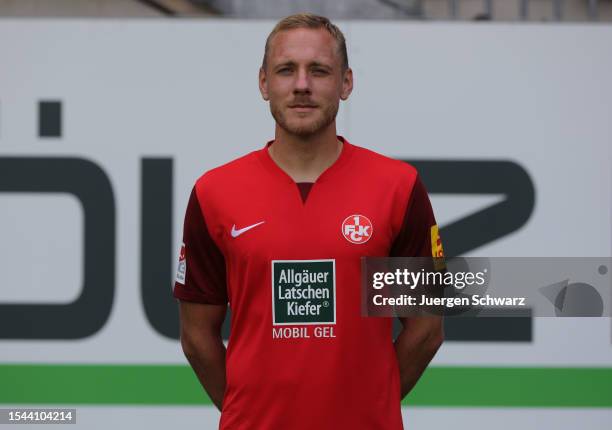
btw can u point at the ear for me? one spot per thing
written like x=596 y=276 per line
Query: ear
x=347 y=84
x=263 y=84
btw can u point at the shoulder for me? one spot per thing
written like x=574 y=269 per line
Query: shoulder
x=229 y=173
x=385 y=168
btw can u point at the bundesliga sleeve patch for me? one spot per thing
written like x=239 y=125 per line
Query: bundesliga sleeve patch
x=182 y=267
x=303 y=292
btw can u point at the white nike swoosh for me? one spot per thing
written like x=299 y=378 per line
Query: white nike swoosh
x=236 y=233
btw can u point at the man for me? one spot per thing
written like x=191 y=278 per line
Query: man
x=279 y=234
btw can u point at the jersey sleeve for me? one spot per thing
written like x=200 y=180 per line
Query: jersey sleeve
x=418 y=236
x=201 y=269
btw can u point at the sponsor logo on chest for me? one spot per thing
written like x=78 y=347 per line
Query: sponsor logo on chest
x=303 y=292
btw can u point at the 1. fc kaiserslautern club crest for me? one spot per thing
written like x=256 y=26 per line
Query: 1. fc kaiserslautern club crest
x=357 y=229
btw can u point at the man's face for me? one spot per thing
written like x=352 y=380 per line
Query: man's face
x=304 y=81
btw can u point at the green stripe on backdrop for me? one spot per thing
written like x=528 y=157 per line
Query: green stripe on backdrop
x=177 y=385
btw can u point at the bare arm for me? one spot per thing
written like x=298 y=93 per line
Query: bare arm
x=415 y=346
x=203 y=345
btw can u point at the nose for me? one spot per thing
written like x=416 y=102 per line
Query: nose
x=302 y=82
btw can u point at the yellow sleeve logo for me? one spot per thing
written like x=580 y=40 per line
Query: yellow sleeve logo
x=436 y=248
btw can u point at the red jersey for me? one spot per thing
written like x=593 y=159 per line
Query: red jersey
x=286 y=257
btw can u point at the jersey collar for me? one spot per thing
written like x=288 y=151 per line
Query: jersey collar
x=271 y=166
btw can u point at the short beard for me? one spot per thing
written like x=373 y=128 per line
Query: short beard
x=308 y=130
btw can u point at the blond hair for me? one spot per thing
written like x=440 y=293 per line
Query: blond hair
x=309 y=20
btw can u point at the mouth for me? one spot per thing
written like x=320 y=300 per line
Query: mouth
x=302 y=107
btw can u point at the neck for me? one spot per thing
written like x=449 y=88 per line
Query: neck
x=305 y=158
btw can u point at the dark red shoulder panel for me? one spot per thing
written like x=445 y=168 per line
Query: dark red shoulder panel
x=201 y=264
x=415 y=236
